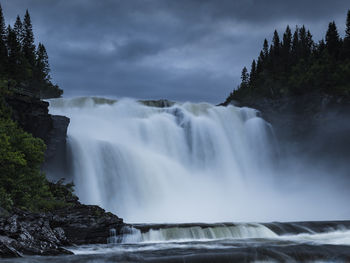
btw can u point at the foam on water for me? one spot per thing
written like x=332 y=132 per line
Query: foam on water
x=188 y=162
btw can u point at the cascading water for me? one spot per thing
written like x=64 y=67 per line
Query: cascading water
x=180 y=163
x=165 y=164
x=198 y=232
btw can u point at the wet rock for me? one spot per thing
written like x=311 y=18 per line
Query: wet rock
x=157 y=103
x=25 y=233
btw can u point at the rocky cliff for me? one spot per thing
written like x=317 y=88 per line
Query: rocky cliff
x=312 y=124
x=33 y=116
x=27 y=233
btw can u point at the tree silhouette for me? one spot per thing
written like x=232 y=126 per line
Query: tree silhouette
x=15 y=67
x=22 y=65
x=244 y=77
x=332 y=40
x=18 y=28
x=28 y=41
x=3 y=48
x=346 y=49
x=297 y=66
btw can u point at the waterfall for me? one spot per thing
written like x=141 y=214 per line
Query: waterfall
x=194 y=232
x=185 y=162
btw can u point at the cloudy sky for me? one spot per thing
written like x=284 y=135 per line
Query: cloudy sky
x=184 y=50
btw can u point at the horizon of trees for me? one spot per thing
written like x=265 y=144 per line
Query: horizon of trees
x=295 y=65
x=23 y=65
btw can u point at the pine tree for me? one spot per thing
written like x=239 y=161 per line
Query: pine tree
x=259 y=64
x=287 y=41
x=15 y=67
x=42 y=64
x=303 y=42
x=28 y=40
x=346 y=48
x=253 y=73
x=309 y=41
x=295 y=44
x=276 y=44
x=244 y=78
x=347 y=30
x=18 y=28
x=286 y=47
x=266 y=49
x=332 y=40
x=3 y=48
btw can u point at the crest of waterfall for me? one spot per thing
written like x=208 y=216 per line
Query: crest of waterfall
x=183 y=162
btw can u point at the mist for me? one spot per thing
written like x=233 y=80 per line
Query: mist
x=198 y=163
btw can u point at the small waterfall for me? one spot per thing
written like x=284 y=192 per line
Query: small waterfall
x=183 y=233
x=181 y=163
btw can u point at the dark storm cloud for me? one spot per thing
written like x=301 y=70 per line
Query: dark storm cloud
x=176 y=49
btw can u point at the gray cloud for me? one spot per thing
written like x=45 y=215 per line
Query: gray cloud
x=180 y=50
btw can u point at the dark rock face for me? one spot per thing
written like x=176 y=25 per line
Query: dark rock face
x=24 y=233
x=56 y=140
x=314 y=122
x=55 y=165
x=32 y=115
x=86 y=224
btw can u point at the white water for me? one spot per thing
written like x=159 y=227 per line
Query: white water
x=185 y=163
x=196 y=233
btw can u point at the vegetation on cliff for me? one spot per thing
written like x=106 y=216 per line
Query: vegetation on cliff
x=296 y=65
x=24 y=66
x=22 y=184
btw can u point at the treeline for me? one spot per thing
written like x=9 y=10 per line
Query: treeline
x=23 y=65
x=295 y=65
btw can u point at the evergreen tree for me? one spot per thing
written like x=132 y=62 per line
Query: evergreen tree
x=298 y=66
x=287 y=41
x=276 y=43
x=18 y=28
x=42 y=64
x=346 y=49
x=309 y=41
x=244 y=78
x=295 y=44
x=332 y=40
x=15 y=67
x=305 y=42
x=3 y=48
x=259 y=64
x=266 y=49
x=253 y=73
x=21 y=64
x=347 y=30
x=28 y=40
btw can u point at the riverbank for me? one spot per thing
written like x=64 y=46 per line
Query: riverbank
x=25 y=233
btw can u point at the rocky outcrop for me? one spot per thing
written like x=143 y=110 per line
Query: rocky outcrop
x=313 y=123
x=33 y=116
x=25 y=233
x=157 y=103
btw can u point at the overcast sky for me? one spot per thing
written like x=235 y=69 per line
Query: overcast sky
x=184 y=50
